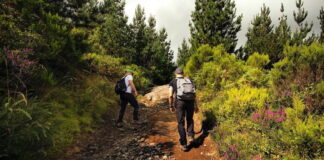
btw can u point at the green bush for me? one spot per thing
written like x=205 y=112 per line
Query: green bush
x=302 y=134
x=213 y=67
x=141 y=77
x=203 y=54
x=238 y=103
x=24 y=129
x=299 y=71
x=40 y=128
x=258 y=60
x=113 y=69
x=263 y=114
x=255 y=77
x=104 y=64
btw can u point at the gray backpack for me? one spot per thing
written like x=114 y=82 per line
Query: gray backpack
x=185 y=89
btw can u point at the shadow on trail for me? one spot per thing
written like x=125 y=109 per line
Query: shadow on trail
x=198 y=141
x=207 y=124
x=166 y=146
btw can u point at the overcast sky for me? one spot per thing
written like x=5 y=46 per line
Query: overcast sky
x=174 y=15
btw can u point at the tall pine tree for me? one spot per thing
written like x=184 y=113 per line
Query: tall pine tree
x=260 y=37
x=113 y=35
x=163 y=68
x=300 y=35
x=183 y=54
x=151 y=48
x=139 y=40
x=321 y=18
x=215 y=22
x=147 y=55
x=282 y=35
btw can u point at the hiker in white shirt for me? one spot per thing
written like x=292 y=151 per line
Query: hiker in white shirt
x=129 y=96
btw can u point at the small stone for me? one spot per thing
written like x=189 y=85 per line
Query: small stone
x=152 y=144
x=165 y=157
x=142 y=144
x=76 y=149
x=201 y=153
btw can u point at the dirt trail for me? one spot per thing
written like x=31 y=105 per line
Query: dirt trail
x=155 y=138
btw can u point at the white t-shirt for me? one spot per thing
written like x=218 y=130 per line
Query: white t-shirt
x=129 y=88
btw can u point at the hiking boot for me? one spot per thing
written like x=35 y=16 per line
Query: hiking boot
x=191 y=139
x=183 y=148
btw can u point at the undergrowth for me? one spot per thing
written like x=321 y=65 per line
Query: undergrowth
x=262 y=113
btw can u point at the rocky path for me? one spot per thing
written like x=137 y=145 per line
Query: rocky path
x=154 y=139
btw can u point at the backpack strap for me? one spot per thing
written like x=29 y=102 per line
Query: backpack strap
x=125 y=80
x=176 y=82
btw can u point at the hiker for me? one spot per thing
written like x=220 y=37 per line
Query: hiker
x=128 y=94
x=182 y=90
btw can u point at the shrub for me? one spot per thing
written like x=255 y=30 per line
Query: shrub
x=141 y=77
x=302 y=134
x=104 y=64
x=241 y=102
x=203 y=54
x=301 y=68
x=258 y=60
x=111 y=68
x=24 y=129
x=42 y=127
x=263 y=114
x=255 y=77
x=213 y=68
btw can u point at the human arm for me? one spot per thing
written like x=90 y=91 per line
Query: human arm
x=131 y=83
x=171 y=104
x=196 y=106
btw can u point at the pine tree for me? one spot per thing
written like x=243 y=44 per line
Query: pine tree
x=139 y=41
x=151 y=48
x=299 y=36
x=80 y=13
x=282 y=35
x=151 y=36
x=163 y=68
x=214 y=22
x=260 y=37
x=113 y=35
x=183 y=54
x=11 y=27
x=321 y=18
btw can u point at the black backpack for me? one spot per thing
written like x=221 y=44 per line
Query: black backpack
x=120 y=86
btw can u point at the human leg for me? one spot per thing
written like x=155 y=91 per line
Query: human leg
x=123 y=103
x=135 y=105
x=189 y=105
x=180 y=114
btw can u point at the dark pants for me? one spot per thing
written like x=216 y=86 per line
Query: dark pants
x=126 y=98
x=185 y=109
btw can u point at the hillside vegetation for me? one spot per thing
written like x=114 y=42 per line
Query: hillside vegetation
x=59 y=63
x=261 y=113
x=60 y=59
